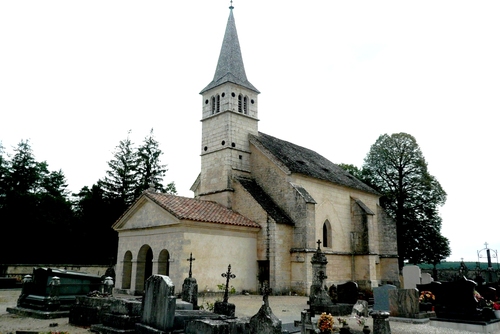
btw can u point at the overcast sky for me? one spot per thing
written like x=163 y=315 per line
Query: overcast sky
x=76 y=76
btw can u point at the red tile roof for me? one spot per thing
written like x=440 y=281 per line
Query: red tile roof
x=199 y=210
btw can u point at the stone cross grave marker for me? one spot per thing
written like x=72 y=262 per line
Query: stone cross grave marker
x=412 y=276
x=191 y=259
x=190 y=286
x=381 y=297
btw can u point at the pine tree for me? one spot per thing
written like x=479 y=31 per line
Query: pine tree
x=36 y=210
x=120 y=181
x=150 y=171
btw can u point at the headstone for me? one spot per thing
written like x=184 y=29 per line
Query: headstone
x=158 y=305
x=347 y=293
x=426 y=278
x=190 y=286
x=265 y=322
x=381 y=297
x=456 y=300
x=411 y=276
x=403 y=303
x=360 y=309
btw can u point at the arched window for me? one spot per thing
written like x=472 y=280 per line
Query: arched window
x=327 y=234
x=240 y=98
x=217 y=109
x=213 y=105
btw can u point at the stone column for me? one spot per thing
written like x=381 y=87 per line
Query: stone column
x=133 y=277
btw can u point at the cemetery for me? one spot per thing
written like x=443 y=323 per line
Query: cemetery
x=89 y=302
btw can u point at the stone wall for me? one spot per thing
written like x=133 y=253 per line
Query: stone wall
x=19 y=270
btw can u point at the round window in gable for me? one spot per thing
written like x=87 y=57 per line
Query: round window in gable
x=206 y=101
x=205 y=148
x=223 y=142
x=232 y=94
x=252 y=101
x=223 y=94
x=233 y=145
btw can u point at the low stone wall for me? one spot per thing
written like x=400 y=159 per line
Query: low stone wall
x=19 y=270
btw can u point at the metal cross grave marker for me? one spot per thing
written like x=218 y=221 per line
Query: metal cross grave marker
x=228 y=276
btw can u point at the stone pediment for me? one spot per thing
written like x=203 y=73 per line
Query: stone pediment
x=145 y=214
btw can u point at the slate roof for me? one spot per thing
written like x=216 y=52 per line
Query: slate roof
x=185 y=208
x=265 y=201
x=304 y=161
x=230 y=66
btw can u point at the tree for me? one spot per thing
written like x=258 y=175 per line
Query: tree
x=3 y=174
x=35 y=210
x=395 y=166
x=120 y=181
x=94 y=217
x=150 y=171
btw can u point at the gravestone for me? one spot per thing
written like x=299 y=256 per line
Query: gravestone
x=224 y=307
x=265 y=322
x=319 y=300
x=347 y=293
x=190 y=286
x=381 y=297
x=426 y=278
x=455 y=300
x=50 y=293
x=403 y=303
x=158 y=306
x=360 y=309
x=411 y=277
x=120 y=316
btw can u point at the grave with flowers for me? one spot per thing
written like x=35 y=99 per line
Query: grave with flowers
x=460 y=306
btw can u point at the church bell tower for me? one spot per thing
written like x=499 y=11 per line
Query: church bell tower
x=229 y=115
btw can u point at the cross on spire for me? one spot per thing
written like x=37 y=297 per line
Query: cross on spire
x=319 y=243
x=231 y=7
x=486 y=245
x=228 y=276
x=191 y=259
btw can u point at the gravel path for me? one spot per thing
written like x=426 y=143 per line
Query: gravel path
x=286 y=308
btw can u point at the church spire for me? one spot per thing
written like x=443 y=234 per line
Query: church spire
x=230 y=66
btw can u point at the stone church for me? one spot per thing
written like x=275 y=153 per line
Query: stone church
x=261 y=204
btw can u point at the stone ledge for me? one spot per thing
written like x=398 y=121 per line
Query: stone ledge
x=491 y=326
x=37 y=314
